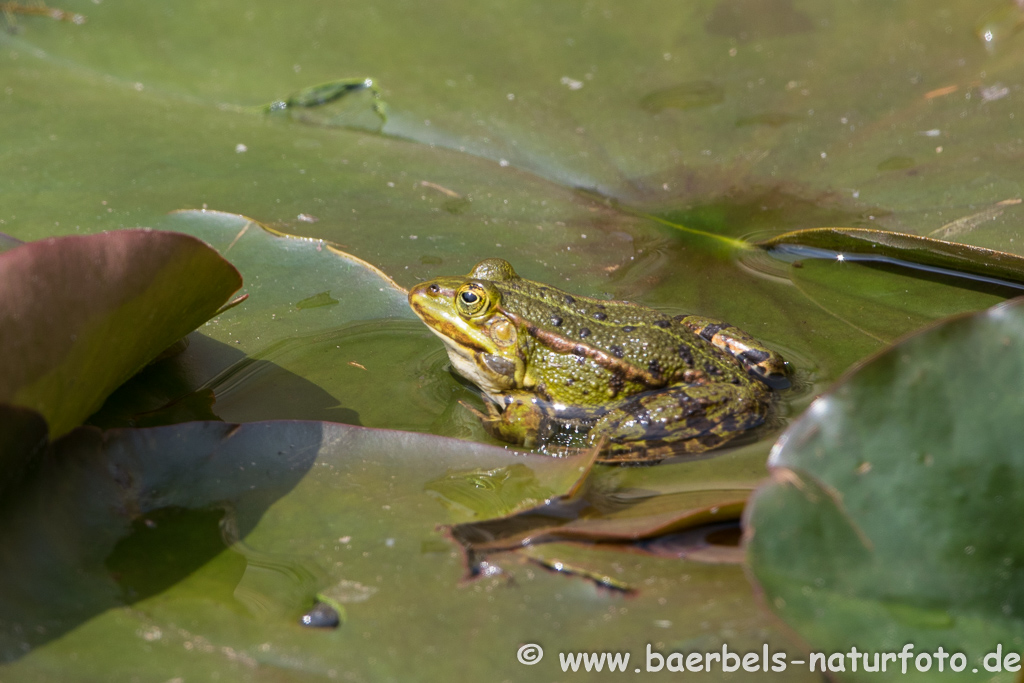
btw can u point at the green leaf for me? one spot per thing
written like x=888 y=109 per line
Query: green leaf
x=492 y=130
x=197 y=547
x=909 y=251
x=81 y=315
x=888 y=517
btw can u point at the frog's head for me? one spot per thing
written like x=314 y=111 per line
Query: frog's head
x=483 y=343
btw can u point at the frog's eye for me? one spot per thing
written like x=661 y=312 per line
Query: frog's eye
x=471 y=300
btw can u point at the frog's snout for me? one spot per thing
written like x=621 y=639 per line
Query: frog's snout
x=430 y=299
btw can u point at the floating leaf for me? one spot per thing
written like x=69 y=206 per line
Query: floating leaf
x=192 y=496
x=891 y=516
x=80 y=315
x=898 y=249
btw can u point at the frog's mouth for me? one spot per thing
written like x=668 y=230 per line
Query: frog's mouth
x=467 y=351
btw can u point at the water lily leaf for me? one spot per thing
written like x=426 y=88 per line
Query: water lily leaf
x=883 y=303
x=222 y=535
x=930 y=255
x=82 y=314
x=289 y=281
x=891 y=514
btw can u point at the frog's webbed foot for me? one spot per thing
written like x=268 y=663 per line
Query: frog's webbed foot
x=521 y=422
x=693 y=419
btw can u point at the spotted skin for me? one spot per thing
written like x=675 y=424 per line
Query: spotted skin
x=760 y=361
x=647 y=384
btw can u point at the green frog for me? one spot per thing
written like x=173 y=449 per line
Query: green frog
x=643 y=383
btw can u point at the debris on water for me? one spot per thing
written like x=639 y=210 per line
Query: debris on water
x=321 y=616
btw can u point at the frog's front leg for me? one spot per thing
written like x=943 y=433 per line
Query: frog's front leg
x=522 y=420
x=684 y=419
x=755 y=356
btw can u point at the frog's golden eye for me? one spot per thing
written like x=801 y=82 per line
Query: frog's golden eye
x=471 y=300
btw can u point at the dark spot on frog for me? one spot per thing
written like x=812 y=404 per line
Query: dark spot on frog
x=434 y=289
x=600 y=316
x=638 y=412
x=556 y=321
x=584 y=332
x=686 y=355
x=579 y=351
x=628 y=328
x=569 y=382
x=712 y=370
x=753 y=356
x=654 y=367
x=616 y=383
x=679 y=318
x=710 y=331
x=569 y=299
x=663 y=323
x=616 y=351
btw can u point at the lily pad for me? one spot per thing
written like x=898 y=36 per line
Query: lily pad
x=492 y=131
x=82 y=314
x=252 y=523
x=888 y=519
x=909 y=251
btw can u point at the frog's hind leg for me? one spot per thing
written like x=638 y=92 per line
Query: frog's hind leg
x=651 y=427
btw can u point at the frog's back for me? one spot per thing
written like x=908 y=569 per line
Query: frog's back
x=638 y=347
